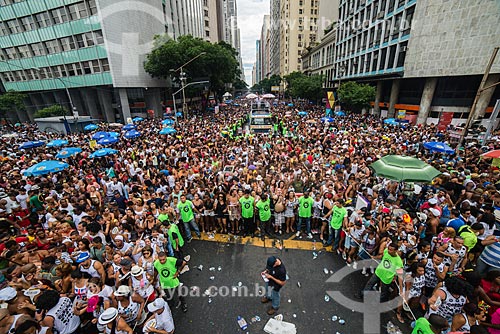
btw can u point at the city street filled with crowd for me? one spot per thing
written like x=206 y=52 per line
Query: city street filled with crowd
x=99 y=241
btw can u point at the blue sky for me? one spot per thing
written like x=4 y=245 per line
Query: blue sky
x=250 y=17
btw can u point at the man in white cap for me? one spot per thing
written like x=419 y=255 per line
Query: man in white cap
x=162 y=315
x=123 y=247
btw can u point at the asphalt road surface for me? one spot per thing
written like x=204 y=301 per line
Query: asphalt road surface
x=241 y=265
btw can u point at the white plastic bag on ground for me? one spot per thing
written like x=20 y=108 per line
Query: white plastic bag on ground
x=274 y=326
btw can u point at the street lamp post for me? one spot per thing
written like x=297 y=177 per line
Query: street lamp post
x=182 y=89
x=183 y=78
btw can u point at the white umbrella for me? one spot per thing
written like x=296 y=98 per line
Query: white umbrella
x=227 y=94
x=116 y=125
x=268 y=96
x=251 y=96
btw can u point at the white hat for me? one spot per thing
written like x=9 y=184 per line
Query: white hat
x=422 y=216
x=259 y=178
x=158 y=304
x=136 y=271
x=108 y=315
x=435 y=212
x=432 y=201
x=123 y=290
x=8 y=293
x=119 y=237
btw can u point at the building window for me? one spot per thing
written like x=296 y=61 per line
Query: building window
x=13 y=26
x=11 y=53
x=401 y=3
x=27 y=23
x=402 y=54
x=392 y=56
x=92 y=7
x=383 y=54
x=406 y=27
x=24 y=51
x=78 y=11
x=52 y=46
x=89 y=39
x=37 y=49
x=105 y=65
x=59 y=15
x=99 y=37
x=95 y=66
x=67 y=43
x=42 y=20
x=79 y=40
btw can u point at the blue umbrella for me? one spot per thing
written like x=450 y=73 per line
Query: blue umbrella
x=167 y=121
x=90 y=127
x=439 y=147
x=178 y=114
x=107 y=141
x=339 y=113
x=327 y=119
x=31 y=144
x=132 y=134
x=129 y=127
x=57 y=143
x=391 y=121
x=168 y=131
x=46 y=167
x=290 y=104
x=137 y=119
x=302 y=113
x=68 y=152
x=100 y=135
x=103 y=152
x=114 y=134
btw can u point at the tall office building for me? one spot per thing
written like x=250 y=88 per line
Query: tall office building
x=230 y=30
x=295 y=22
x=426 y=57
x=95 y=49
x=211 y=20
x=265 y=48
x=275 y=35
x=258 y=61
x=319 y=59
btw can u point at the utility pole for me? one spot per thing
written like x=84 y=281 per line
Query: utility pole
x=482 y=88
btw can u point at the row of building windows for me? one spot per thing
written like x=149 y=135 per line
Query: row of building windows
x=58 y=71
x=373 y=15
x=78 y=41
x=9 y=2
x=379 y=60
x=76 y=11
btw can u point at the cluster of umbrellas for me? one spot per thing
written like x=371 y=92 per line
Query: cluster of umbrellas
x=252 y=96
x=403 y=168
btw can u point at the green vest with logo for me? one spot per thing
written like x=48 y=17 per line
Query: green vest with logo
x=166 y=272
x=175 y=229
x=264 y=210
x=186 y=210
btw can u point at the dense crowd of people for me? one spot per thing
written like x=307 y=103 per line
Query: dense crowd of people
x=98 y=247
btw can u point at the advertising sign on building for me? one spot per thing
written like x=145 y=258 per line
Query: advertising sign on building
x=275 y=88
x=401 y=114
x=445 y=120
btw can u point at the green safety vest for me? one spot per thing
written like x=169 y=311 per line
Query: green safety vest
x=422 y=326
x=264 y=210
x=175 y=229
x=247 y=207
x=166 y=272
x=186 y=210
x=386 y=270
x=305 y=206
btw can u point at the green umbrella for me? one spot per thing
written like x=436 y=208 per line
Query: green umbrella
x=401 y=168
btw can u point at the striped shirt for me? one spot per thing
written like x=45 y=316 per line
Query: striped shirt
x=491 y=255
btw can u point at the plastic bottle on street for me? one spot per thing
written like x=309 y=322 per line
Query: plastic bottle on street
x=242 y=323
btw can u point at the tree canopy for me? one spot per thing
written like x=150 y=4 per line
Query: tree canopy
x=219 y=63
x=264 y=86
x=354 y=96
x=303 y=86
x=10 y=102
x=55 y=110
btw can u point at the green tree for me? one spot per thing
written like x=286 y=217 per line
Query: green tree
x=354 y=96
x=264 y=86
x=303 y=86
x=55 y=110
x=219 y=63
x=11 y=102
